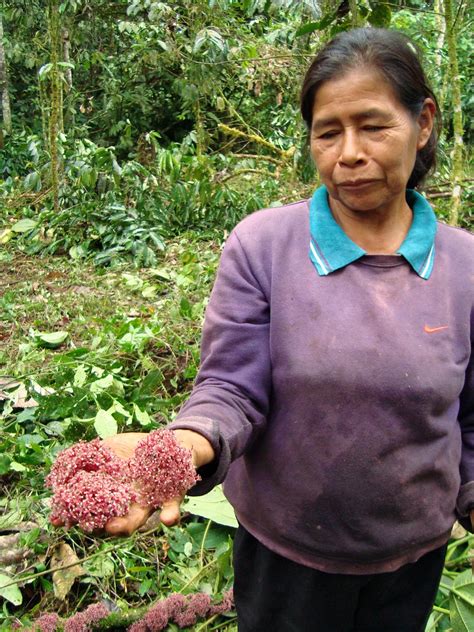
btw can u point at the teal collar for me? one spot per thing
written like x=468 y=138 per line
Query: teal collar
x=331 y=249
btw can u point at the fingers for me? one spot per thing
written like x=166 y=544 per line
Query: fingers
x=171 y=512
x=126 y=525
x=138 y=515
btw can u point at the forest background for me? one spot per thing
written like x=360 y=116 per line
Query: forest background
x=134 y=135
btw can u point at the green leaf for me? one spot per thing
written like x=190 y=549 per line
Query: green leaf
x=142 y=416
x=51 y=340
x=80 y=376
x=10 y=593
x=17 y=467
x=24 y=225
x=5 y=235
x=5 y=461
x=380 y=14
x=101 y=385
x=316 y=26
x=100 y=566
x=213 y=506
x=149 y=291
x=44 y=70
x=105 y=424
x=461 y=602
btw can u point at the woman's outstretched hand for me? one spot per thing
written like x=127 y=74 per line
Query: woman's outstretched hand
x=124 y=446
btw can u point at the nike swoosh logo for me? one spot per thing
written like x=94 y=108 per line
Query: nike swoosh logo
x=432 y=330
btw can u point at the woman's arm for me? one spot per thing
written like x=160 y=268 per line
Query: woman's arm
x=230 y=399
x=228 y=405
x=465 y=504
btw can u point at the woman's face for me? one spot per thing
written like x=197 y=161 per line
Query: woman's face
x=364 y=141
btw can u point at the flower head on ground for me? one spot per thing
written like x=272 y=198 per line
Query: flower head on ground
x=85 y=620
x=184 y=610
x=46 y=623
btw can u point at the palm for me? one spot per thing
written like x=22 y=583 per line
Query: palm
x=123 y=445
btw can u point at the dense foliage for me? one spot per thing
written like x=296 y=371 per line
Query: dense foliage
x=140 y=133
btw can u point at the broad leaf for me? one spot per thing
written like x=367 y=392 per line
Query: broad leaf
x=24 y=225
x=100 y=566
x=213 y=506
x=51 y=340
x=105 y=424
x=316 y=26
x=380 y=14
x=461 y=602
x=10 y=593
x=142 y=416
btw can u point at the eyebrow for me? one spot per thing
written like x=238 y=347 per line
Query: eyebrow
x=331 y=120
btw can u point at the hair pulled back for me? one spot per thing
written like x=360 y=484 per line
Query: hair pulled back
x=397 y=60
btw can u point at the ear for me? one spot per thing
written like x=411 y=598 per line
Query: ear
x=425 y=122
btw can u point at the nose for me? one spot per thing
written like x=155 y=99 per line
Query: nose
x=351 y=152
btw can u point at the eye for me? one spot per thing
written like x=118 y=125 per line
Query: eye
x=329 y=134
x=373 y=128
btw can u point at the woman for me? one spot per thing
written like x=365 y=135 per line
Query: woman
x=336 y=392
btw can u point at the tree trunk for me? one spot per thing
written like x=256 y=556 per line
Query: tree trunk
x=455 y=81
x=66 y=57
x=6 y=112
x=441 y=30
x=355 y=15
x=55 y=116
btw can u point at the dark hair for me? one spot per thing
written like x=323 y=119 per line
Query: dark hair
x=397 y=59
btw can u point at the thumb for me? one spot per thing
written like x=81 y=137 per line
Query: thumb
x=171 y=511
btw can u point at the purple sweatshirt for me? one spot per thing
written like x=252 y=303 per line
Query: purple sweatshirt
x=339 y=395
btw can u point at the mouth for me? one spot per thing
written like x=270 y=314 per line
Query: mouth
x=355 y=184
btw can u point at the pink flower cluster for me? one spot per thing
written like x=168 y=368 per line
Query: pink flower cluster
x=162 y=468
x=183 y=610
x=91 y=484
x=80 y=622
x=84 y=621
x=46 y=623
x=93 y=456
x=90 y=500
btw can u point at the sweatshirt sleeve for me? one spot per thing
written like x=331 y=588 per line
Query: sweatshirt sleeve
x=230 y=398
x=465 y=500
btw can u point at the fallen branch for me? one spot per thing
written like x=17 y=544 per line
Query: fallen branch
x=259 y=157
x=285 y=154
x=239 y=172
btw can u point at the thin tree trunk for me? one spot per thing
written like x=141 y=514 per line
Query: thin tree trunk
x=355 y=15
x=6 y=111
x=441 y=29
x=455 y=81
x=66 y=57
x=55 y=114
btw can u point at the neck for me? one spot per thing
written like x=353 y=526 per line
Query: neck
x=378 y=232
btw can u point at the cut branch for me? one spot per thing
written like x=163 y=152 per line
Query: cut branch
x=285 y=154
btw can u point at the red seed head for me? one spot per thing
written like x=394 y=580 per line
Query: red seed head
x=93 y=456
x=90 y=499
x=162 y=468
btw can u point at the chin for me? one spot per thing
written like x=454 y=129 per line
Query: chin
x=359 y=203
